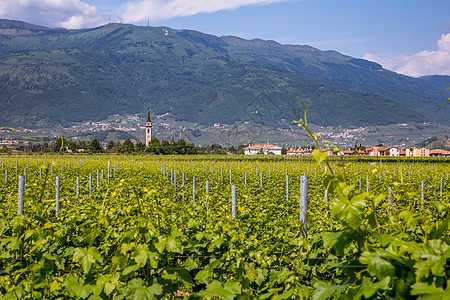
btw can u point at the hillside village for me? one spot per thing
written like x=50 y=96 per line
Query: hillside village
x=134 y=123
x=371 y=151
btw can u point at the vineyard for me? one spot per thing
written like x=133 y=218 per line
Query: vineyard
x=143 y=227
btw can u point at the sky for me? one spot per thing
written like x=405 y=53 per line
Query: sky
x=411 y=37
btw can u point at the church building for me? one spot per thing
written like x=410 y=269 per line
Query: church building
x=148 y=130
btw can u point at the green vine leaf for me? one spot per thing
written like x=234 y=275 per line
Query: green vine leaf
x=350 y=212
x=86 y=257
x=377 y=266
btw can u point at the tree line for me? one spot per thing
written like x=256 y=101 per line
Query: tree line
x=155 y=146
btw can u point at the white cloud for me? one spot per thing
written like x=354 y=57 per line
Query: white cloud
x=421 y=63
x=56 y=13
x=166 y=9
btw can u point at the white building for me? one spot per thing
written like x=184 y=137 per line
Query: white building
x=266 y=149
x=394 y=151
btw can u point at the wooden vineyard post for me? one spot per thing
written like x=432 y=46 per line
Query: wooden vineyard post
x=193 y=189
x=360 y=181
x=304 y=204
x=390 y=199
x=233 y=202
x=287 y=187
x=90 y=184
x=109 y=169
x=182 y=184
x=261 y=180
x=175 y=179
x=207 y=194
x=21 y=193
x=78 y=188
x=57 y=195
x=422 y=191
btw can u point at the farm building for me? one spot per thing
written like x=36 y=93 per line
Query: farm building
x=265 y=149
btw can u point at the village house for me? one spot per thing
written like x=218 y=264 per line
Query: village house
x=346 y=152
x=327 y=150
x=440 y=153
x=394 y=151
x=417 y=152
x=384 y=151
x=265 y=149
x=409 y=152
x=299 y=151
x=373 y=151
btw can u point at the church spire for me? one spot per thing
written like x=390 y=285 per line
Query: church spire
x=148 y=129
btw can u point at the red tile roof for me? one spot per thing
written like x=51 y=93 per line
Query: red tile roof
x=266 y=146
x=440 y=151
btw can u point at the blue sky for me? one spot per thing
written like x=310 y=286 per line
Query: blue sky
x=408 y=36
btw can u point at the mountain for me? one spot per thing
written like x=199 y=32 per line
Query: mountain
x=55 y=77
x=440 y=81
x=346 y=72
x=436 y=143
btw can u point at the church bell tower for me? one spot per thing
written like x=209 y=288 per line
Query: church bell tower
x=148 y=130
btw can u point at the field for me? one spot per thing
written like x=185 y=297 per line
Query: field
x=136 y=227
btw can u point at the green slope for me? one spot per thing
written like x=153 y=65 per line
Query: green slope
x=56 y=76
x=344 y=71
x=440 y=81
